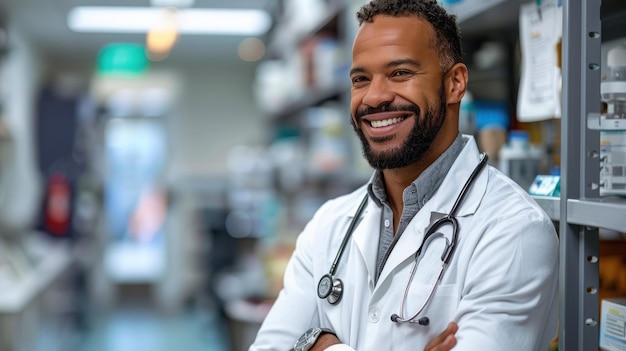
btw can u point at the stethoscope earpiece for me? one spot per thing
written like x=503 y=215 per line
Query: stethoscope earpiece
x=425 y=321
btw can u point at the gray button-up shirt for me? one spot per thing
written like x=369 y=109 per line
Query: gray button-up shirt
x=414 y=197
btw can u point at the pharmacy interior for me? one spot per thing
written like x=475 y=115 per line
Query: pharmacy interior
x=546 y=100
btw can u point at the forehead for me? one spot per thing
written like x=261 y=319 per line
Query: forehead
x=406 y=34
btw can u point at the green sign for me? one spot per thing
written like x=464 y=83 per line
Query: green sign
x=122 y=59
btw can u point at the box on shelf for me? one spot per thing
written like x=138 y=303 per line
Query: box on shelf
x=613 y=162
x=613 y=324
x=546 y=185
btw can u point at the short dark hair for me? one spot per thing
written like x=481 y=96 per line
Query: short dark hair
x=447 y=40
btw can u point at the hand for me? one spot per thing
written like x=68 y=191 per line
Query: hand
x=325 y=341
x=444 y=341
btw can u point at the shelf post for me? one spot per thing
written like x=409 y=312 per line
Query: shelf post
x=579 y=245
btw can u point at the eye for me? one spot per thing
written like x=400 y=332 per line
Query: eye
x=400 y=73
x=358 y=79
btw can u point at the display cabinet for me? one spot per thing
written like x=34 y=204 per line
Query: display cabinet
x=586 y=23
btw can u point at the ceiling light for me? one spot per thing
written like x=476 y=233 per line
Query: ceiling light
x=251 y=49
x=101 y=19
x=172 y=3
x=162 y=37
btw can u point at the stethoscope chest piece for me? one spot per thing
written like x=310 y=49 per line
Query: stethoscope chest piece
x=330 y=289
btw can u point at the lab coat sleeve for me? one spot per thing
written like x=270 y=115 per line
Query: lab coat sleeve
x=509 y=297
x=294 y=310
x=339 y=347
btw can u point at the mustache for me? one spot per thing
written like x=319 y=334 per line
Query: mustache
x=360 y=113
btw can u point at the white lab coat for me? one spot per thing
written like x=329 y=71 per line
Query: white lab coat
x=501 y=286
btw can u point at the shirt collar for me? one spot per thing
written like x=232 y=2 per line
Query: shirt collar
x=425 y=185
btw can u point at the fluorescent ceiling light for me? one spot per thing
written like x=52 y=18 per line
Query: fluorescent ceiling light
x=103 y=19
x=172 y=3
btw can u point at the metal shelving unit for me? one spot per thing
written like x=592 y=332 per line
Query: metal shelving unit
x=582 y=211
x=608 y=214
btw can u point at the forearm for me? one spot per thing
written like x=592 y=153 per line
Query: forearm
x=325 y=341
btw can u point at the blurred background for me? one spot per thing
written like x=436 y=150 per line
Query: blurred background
x=159 y=157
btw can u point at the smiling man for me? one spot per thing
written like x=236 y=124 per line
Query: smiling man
x=438 y=250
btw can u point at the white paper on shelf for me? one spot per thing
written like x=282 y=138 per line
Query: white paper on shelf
x=540 y=85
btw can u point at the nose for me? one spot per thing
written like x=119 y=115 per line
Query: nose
x=378 y=93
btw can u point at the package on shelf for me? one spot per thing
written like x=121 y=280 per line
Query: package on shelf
x=613 y=324
x=278 y=83
x=612 y=124
x=613 y=162
x=330 y=64
x=303 y=15
x=287 y=155
x=465 y=9
x=324 y=62
x=519 y=159
x=491 y=122
x=328 y=145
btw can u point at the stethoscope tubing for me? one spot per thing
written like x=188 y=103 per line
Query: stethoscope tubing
x=445 y=257
x=468 y=183
x=431 y=233
x=346 y=238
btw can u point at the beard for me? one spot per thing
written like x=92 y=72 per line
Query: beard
x=423 y=134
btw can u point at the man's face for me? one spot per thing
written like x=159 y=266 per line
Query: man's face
x=398 y=97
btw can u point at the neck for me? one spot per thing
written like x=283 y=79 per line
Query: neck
x=396 y=180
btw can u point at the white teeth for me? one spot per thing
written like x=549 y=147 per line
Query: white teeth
x=386 y=122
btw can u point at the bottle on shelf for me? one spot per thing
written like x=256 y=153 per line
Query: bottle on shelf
x=614 y=88
x=612 y=124
x=520 y=160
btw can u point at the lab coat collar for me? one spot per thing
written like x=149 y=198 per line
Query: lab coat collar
x=366 y=238
x=451 y=186
x=439 y=205
x=454 y=181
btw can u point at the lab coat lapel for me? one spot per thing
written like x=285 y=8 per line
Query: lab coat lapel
x=454 y=181
x=365 y=237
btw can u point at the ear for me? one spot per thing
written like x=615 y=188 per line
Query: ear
x=456 y=83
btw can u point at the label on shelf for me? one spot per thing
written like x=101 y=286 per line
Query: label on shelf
x=613 y=325
x=613 y=162
x=546 y=185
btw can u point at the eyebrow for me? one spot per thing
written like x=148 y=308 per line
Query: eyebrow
x=357 y=70
x=391 y=64
x=401 y=62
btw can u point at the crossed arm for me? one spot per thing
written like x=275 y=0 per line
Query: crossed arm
x=443 y=342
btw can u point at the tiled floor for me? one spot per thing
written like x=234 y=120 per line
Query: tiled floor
x=141 y=327
x=132 y=329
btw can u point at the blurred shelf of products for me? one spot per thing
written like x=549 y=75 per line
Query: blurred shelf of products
x=513 y=105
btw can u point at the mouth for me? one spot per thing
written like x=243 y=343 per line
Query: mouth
x=385 y=119
x=385 y=125
x=387 y=122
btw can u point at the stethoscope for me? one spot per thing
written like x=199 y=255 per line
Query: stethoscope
x=331 y=288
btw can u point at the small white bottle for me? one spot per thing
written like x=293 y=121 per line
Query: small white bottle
x=616 y=62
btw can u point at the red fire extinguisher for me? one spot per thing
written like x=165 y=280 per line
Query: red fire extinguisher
x=58 y=205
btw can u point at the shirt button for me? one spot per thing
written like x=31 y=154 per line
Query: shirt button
x=386 y=223
x=374 y=315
